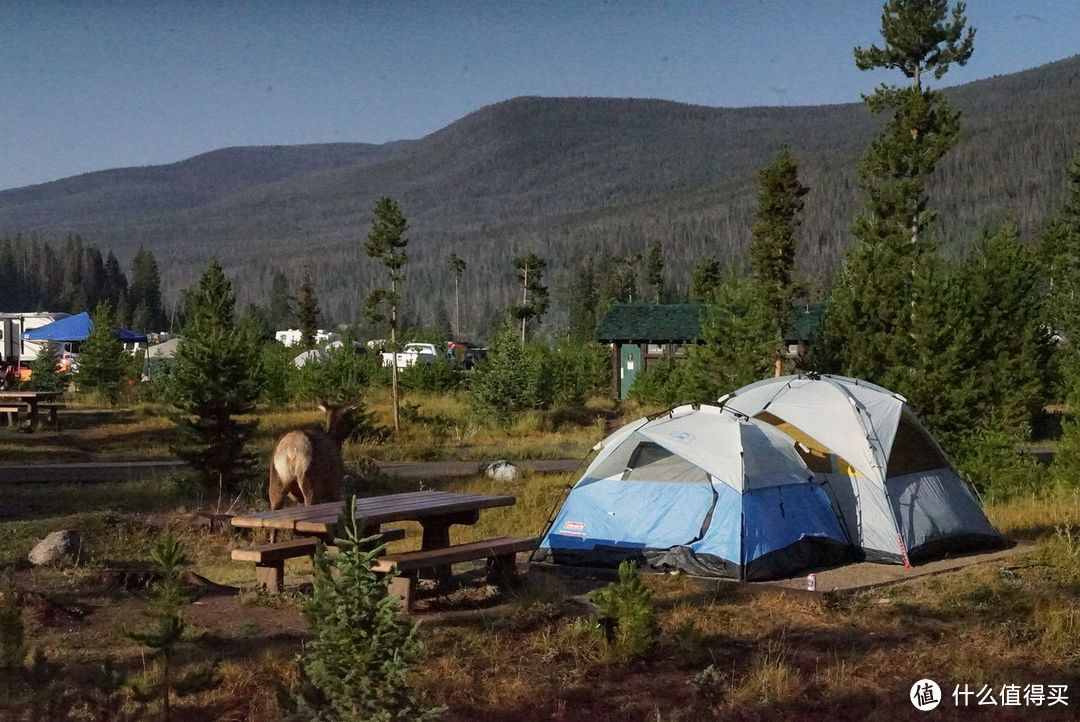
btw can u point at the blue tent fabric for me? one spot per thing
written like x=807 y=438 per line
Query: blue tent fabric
x=77 y=328
x=72 y=328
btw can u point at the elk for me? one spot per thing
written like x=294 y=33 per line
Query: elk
x=306 y=464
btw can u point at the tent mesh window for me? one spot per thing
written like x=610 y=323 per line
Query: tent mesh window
x=652 y=462
x=913 y=450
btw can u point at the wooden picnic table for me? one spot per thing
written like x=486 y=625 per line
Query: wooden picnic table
x=436 y=511
x=30 y=399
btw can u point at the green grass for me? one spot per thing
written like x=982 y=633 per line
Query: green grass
x=434 y=427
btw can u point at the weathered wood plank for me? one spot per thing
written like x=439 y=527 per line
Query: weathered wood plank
x=488 y=548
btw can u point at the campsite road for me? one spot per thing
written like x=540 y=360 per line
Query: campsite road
x=129 y=470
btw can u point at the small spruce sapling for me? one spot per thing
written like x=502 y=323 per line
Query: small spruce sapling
x=626 y=614
x=166 y=630
x=358 y=664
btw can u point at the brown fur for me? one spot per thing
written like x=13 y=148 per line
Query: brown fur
x=306 y=465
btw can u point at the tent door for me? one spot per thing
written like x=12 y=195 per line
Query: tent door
x=629 y=366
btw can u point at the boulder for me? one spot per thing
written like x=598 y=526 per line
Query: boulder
x=59 y=547
x=502 y=470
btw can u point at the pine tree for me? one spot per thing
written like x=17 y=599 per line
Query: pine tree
x=166 y=630
x=386 y=243
x=772 y=248
x=43 y=373
x=212 y=384
x=498 y=387
x=362 y=653
x=279 y=303
x=654 y=271
x=1059 y=251
x=625 y=614
x=705 y=281
x=307 y=313
x=534 y=294
x=145 y=290
x=870 y=314
x=582 y=302
x=1005 y=310
x=457 y=268
x=738 y=344
x=103 y=362
x=115 y=284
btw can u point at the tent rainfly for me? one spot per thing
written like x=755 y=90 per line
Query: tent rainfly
x=77 y=328
x=703 y=490
x=895 y=492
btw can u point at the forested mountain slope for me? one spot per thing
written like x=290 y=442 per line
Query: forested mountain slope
x=563 y=177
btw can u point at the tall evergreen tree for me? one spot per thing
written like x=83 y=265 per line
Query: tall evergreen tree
x=307 y=313
x=279 y=311
x=534 y=294
x=116 y=283
x=1006 y=311
x=145 y=292
x=738 y=343
x=457 y=268
x=705 y=281
x=654 y=271
x=582 y=302
x=1059 y=250
x=869 y=322
x=772 y=247
x=212 y=385
x=103 y=363
x=386 y=243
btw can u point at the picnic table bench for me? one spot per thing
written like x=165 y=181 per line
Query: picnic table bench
x=436 y=511
x=270 y=559
x=500 y=554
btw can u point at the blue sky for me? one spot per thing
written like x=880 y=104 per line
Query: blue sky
x=88 y=86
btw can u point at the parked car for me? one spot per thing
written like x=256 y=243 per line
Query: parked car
x=412 y=354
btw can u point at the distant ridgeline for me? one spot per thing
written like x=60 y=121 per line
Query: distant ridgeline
x=562 y=177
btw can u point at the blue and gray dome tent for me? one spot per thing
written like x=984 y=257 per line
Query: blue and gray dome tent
x=700 y=489
x=896 y=494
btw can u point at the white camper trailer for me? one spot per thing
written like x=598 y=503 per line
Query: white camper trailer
x=14 y=349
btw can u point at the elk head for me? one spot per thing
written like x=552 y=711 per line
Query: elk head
x=339 y=422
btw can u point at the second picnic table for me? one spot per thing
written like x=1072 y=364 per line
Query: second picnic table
x=13 y=401
x=436 y=511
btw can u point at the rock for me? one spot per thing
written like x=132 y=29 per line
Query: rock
x=59 y=547
x=502 y=470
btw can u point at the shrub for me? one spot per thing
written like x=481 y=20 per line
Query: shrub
x=43 y=373
x=626 y=615
x=26 y=677
x=658 y=385
x=338 y=376
x=359 y=662
x=275 y=372
x=439 y=376
x=988 y=457
x=578 y=371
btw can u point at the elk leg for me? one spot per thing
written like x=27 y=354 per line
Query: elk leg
x=277 y=497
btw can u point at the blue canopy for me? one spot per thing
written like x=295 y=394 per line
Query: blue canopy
x=77 y=328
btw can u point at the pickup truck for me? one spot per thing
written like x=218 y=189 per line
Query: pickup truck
x=413 y=353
